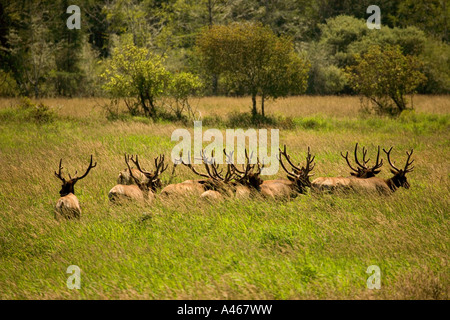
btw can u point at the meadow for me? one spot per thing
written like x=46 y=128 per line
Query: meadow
x=316 y=246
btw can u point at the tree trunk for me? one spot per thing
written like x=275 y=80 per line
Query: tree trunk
x=144 y=106
x=262 y=105
x=399 y=102
x=214 y=84
x=254 y=111
x=210 y=16
x=36 y=90
x=152 y=108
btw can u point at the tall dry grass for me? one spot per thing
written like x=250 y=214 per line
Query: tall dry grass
x=313 y=247
x=299 y=106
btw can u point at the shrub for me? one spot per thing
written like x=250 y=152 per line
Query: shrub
x=183 y=85
x=28 y=111
x=137 y=76
x=384 y=77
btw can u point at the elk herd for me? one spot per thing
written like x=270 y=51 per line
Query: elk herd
x=216 y=183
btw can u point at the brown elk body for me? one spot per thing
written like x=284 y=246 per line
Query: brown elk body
x=126 y=179
x=370 y=185
x=68 y=205
x=358 y=177
x=214 y=186
x=279 y=188
x=185 y=188
x=144 y=189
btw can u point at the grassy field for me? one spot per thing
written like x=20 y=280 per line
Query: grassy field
x=313 y=247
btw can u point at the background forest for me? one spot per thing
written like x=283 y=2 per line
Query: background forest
x=41 y=57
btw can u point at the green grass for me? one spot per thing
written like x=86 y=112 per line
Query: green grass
x=315 y=246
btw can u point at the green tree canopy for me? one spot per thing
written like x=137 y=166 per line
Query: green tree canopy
x=385 y=76
x=137 y=75
x=251 y=56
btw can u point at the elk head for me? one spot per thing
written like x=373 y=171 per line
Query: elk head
x=299 y=176
x=153 y=181
x=399 y=178
x=68 y=185
x=247 y=176
x=363 y=171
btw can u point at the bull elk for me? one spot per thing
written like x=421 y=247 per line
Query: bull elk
x=362 y=171
x=376 y=184
x=297 y=178
x=143 y=189
x=185 y=188
x=210 y=187
x=247 y=182
x=215 y=184
x=68 y=205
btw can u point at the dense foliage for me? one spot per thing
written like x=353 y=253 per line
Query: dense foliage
x=385 y=76
x=40 y=56
x=253 y=60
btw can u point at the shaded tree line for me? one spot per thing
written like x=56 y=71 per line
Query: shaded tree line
x=40 y=56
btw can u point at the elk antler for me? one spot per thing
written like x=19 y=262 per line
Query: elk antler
x=363 y=170
x=388 y=153
x=309 y=161
x=407 y=165
x=247 y=168
x=288 y=158
x=58 y=174
x=75 y=179
x=159 y=167
x=138 y=166
x=298 y=173
x=87 y=171
x=159 y=164
x=127 y=159
x=364 y=165
x=189 y=165
x=378 y=163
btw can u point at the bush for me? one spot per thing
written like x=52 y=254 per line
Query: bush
x=246 y=120
x=39 y=113
x=42 y=113
x=28 y=111
x=436 y=60
x=183 y=85
x=330 y=80
x=384 y=77
x=136 y=75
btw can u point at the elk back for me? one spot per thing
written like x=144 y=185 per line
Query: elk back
x=186 y=188
x=125 y=192
x=68 y=207
x=126 y=179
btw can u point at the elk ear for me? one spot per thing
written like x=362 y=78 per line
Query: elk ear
x=353 y=174
x=291 y=179
x=393 y=171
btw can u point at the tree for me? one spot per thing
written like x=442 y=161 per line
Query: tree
x=252 y=57
x=29 y=49
x=183 y=85
x=140 y=78
x=435 y=21
x=136 y=75
x=385 y=77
